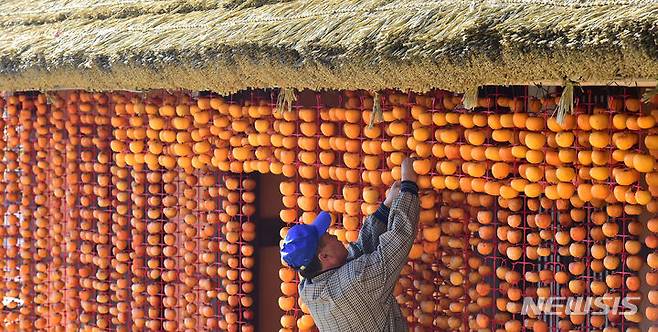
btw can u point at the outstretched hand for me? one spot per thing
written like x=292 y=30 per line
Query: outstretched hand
x=392 y=193
x=408 y=172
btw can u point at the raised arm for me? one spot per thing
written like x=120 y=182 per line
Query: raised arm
x=373 y=226
x=379 y=270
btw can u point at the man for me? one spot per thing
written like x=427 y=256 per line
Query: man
x=352 y=289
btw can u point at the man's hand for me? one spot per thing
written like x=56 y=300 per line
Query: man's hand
x=392 y=194
x=408 y=173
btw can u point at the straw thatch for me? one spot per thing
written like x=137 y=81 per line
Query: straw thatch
x=231 y=45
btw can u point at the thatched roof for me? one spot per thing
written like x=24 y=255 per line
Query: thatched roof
x=231 y=45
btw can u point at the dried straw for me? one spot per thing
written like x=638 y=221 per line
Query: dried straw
x=226 y=45
x=285 y=100
x=243 y=4
x=566 y=101
x=470 y=98
x=377 y=115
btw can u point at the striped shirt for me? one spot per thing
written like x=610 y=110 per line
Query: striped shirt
x=358 y=296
